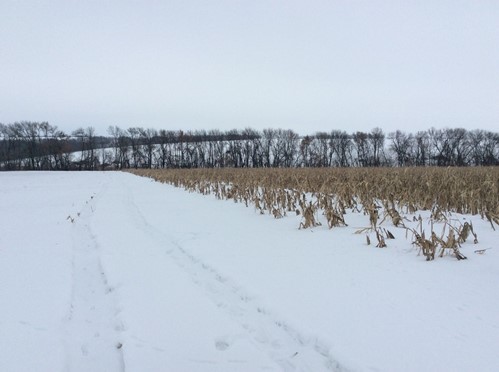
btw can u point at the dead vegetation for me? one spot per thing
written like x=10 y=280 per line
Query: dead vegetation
x=384 y=195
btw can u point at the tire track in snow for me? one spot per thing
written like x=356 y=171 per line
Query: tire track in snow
x=91 y=329
x=287 y=346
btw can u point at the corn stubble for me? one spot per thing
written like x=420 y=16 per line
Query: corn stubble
x=383 y=195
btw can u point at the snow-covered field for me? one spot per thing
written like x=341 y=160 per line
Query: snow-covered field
x=113 y=272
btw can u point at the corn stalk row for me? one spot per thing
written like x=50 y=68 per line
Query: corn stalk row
x=382 y=194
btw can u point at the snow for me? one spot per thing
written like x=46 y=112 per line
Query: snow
x=113 y=272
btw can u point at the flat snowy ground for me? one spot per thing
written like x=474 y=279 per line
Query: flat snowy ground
x=113 y=272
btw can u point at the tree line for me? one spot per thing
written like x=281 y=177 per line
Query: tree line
x=41 y=146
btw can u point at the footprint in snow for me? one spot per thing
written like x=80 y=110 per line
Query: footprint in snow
x=221 y=345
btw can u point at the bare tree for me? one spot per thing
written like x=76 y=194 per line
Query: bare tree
x=360 y=139
x=341 y=145
x=377 y=140
x=422 y=151
x=305 y=151
x=135 y=144
x=321 y=149
x=401 y=144
x=268 y=139
x=460 y=145
x=120 y=143
x=148 y=138
x=491 y=148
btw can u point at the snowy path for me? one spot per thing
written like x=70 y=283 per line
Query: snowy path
x=92 y=330
x=150 y=278
x=247 y=336
x=283 y=344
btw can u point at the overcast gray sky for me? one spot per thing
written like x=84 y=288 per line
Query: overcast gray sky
x=302 y=65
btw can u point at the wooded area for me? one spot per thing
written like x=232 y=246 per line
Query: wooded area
x=41 y=146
